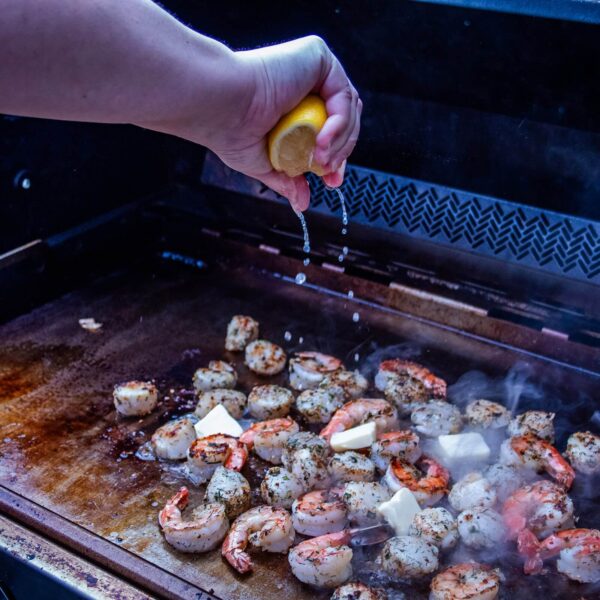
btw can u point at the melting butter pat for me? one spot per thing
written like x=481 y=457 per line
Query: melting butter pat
x=461 y=446
x=400 y=510
x=218 y=420
x=354 y=439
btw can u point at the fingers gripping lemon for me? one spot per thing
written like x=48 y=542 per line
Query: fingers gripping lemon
x=291 y=143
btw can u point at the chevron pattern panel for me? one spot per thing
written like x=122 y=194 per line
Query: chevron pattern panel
x=561 y=244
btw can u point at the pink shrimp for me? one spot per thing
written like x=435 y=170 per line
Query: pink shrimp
x=360 y=411
x=533 y=452
x=207 y=453
x=319 y=512
x=307 y=369
x=396 y=367
x=395 y=444
x=268 y=438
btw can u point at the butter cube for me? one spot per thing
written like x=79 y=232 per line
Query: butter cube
x=464 y=446
x=218 y=420
x=400 y=510
x=353 y=439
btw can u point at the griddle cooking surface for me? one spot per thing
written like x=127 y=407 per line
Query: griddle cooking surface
x=62 y=446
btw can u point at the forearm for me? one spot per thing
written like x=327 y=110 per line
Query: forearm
x=112 y=61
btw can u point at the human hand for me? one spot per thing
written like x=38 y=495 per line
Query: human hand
x=280 y=77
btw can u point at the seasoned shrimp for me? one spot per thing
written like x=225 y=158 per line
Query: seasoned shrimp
x=207 y=453
x=202 y=533
x=583 y=450
x=406 y=556
x=360 y=411
x=542 y=507
x=305 y=440
x=395 y=444
x=362 y=500
x=505 y=479
x=135 y=398
x=537 y=454
x=426 y=479
x=280 y=488
x=466 y=581
x=473 y=490
x=486 y=414
x=218 y=374
x=538 y=422
x=307 y=369
x=351 y=466
x=318 y=406
x=306 y=455
x=233 y=401
x=172 y=440
x=265 y=358
x=319 y=512
x=324 y=561
x=268 y=438
x=579 y=551
x=357 y=591
x=436 y=417
x=348 y=384
x=231 y=489
x=241 y=330
x=262 y=527
x=481 y=528
x=435 y=525
x=419 y=381
x=269 y=402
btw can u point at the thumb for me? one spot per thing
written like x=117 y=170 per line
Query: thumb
x=295 y=189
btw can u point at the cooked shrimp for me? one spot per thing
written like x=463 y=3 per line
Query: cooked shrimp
x=583 y=450
x=349 y=384
x=486 y=414
x=436 y=417
x=135 y=398
x=362 y=500
x=269 y=402
x=318 y=406
x=207 y=453
x=579 y=551
x=537 y=454
x=538 y=422
x=542 y=507
x=307 y=369
x=357 y=591
x=241 y=330
x=310 y=468
x=426 y=479
x=203 y=533
x=172 y=440
x=481 y=528
x=435 y=525
x=473 y=490
x=319 y=512
x=280 y=488
x=263 y=527
x=265 y=358
x=418 y=380
x=395 y=444
x=305 y=440
x=233 y=401
x=268 y=438
x=231 y=489
x=324 y=561
x=505 y=479
x=360 y=411
x=466 y=581
x=351 y=466
x=406 y=556
x=218 y=374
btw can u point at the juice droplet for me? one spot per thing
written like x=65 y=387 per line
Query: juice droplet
x=306 y=262
x=306 y=246
x=344 y=231
x=287 y=336
x=356 y=317
x=341 y=258
x=356 y=357
x=301 y=340
x=343 y=205
x=350 y=294
x=345 y=250
x=300 y=278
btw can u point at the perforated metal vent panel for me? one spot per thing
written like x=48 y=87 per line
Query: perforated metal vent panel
x=564 y=245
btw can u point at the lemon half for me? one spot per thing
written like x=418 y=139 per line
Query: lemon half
x=291 y=143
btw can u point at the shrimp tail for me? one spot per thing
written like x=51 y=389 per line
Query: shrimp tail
x=239 y=560
x=176 y=503
x=529 y=548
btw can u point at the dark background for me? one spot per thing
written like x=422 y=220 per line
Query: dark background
x=499 y=104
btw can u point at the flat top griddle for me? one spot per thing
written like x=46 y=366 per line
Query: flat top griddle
x=63 y=448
